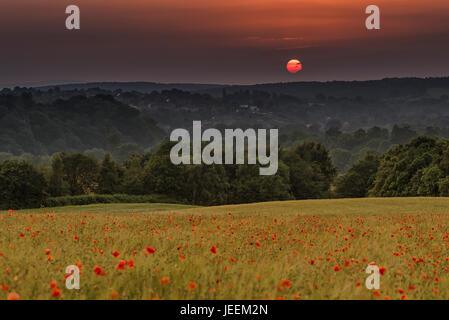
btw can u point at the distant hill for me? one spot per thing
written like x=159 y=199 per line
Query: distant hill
x=388 y=87
x=126 y=118
x=76 y=124
x=144 y=87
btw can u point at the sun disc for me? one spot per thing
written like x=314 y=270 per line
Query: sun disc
x=294 y=65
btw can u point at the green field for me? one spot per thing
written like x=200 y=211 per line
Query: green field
x=306 y=207
x=112 y=208
x=339 y=206
x=311 y=249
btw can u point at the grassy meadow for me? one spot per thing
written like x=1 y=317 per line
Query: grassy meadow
x=311 y=249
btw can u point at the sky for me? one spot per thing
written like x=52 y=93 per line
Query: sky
x=220 y=41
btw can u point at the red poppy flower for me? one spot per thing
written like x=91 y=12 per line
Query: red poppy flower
x=284 y=284
x=192 y=285
x=56 y=292
x=99 y=271
x=13 y=296
x=114 y=295
x=131 y=263
x=150 y=250
x=121 y=265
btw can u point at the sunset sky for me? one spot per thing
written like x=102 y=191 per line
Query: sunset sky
x=220 y=41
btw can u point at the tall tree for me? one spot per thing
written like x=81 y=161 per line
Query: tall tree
x=81 y=173
x=133 y=176
x=249 y=186
x=57 y=185
x=206 y=184
x=311 y=170
x=21 y=185
x=359 y=179
x=416 y=168
x=109 y=179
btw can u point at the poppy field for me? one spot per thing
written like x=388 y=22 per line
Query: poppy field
x=312 y=249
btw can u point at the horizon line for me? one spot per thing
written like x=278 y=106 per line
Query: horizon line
x=36 y=85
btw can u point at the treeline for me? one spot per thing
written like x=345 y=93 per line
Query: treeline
x=346 y=148
x=78 y=123
x=306 y=171
x=37 y=123
x=419 y=168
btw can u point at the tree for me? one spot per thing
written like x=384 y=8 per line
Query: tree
x=341 y=158
x=109 y=179
x=311 y=170
x=249 y=186
x=126 y=151
x=206 y=184
x=402 y=135
x=161 y=176
x=416 y=168
x=429 y=181
x=133 y=176
x=57 y=185
x=359 y=179
x=21 y=185
x=443 y=186
x=80 y=173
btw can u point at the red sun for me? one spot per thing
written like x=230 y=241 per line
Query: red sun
x=293 y=66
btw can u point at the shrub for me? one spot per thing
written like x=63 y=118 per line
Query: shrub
x=104 y=198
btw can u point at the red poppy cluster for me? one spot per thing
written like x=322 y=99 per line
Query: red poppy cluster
x=203 y=256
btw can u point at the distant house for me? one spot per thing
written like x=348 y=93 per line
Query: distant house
x=248 y=107
x=254 y=108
